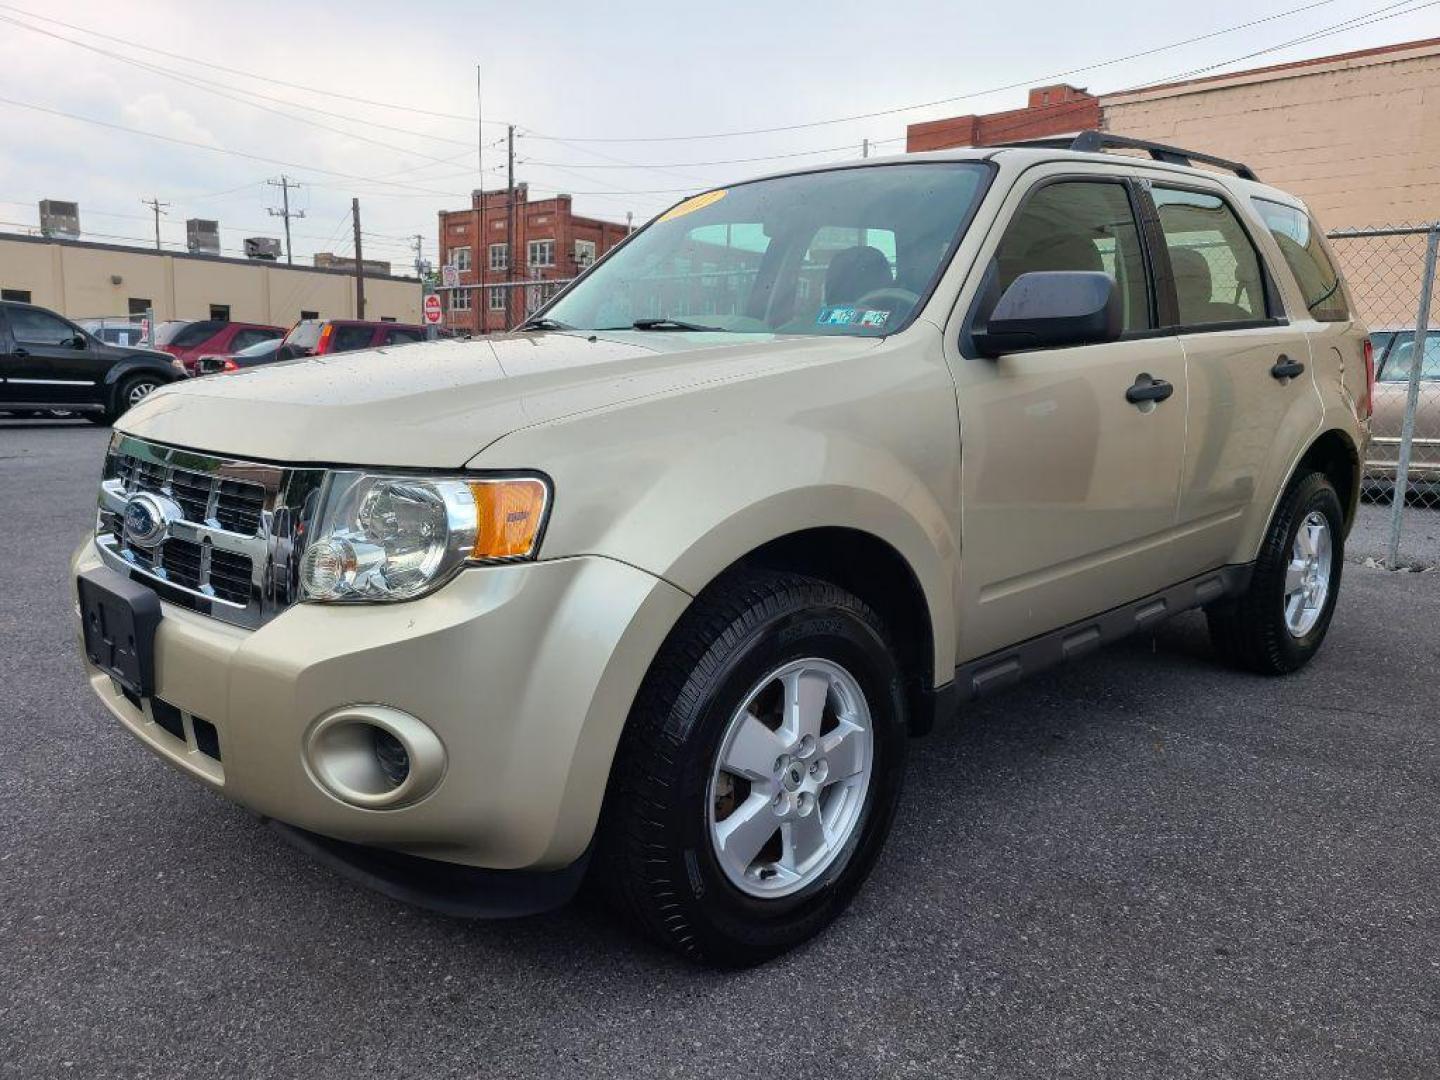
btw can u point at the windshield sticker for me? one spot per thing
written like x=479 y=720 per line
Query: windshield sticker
x=875 y=319
x=689 y=206
x=835 y=316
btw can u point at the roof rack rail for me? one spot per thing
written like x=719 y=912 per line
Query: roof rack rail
x=1095 y=142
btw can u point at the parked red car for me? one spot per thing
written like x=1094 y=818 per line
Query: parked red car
x=188 y=339
x=318 y=337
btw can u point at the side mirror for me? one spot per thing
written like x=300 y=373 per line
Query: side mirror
x=79 y=341
x=1050 y=309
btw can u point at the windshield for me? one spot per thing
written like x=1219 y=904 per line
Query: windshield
x=850 y=251
x=304 y=334
x=261 y=348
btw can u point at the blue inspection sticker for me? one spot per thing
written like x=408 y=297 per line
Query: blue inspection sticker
x=835 y=316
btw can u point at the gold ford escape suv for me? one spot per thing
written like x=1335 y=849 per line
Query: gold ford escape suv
x=657 y=587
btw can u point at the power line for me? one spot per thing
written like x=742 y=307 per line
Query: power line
x=271 y=80
x=1032 y=81
x=159 y=208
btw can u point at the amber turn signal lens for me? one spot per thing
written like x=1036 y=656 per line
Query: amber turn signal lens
x=509 y=516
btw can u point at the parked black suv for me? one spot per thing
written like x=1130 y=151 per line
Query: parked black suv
x=48 y=363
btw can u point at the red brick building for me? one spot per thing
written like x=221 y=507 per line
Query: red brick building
x=1051 y=110
x=551 y=243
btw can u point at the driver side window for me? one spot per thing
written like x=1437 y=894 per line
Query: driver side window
x=1079 y=225
x=33 y=327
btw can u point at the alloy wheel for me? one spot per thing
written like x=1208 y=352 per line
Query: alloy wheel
x=790 y=778
x=1307 y=577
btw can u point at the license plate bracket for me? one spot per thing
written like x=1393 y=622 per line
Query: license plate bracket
x=118 y=619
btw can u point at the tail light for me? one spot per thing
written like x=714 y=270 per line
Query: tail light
x=323 y=345
x=1368 y=409
x=229 y=365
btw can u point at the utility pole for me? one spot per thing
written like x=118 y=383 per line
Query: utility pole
x=865 y=148
x=509 y=223
x=285 y=184
x=480 y=307
x=159 y=208
x=419 y=247
x=359 y=262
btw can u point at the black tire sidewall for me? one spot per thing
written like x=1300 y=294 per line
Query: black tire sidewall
x=720 y=911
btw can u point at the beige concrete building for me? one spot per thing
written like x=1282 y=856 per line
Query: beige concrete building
x=84 y=280
x=1356 y=135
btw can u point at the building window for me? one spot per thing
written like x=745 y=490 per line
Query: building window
x=220 y=312
x=309 y=315
x=388 y=318
x=19 y=296
x=584 y=253
x=541 y=253
x=497 y=299
x=460 y=256
x=140 y=305
x=460 y=300
x=499 y=256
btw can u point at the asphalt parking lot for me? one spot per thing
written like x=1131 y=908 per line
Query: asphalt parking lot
x=1139 y=866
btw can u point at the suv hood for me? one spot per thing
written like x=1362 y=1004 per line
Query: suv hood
x=438 y=404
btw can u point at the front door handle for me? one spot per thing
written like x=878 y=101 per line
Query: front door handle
x=1285 y=368
x=19 y=353
x=1148 y=389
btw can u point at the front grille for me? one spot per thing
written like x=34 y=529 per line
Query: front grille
x=233 y=529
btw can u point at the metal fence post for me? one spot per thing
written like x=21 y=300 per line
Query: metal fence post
x=1412 y=396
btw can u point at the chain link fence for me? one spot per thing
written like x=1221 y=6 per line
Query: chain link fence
x=1391 y=274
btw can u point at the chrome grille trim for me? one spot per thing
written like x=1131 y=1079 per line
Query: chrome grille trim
x=236 y=495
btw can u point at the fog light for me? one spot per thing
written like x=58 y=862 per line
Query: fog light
x=374 y=757
x=391 y=754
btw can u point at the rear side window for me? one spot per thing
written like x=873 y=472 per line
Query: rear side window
x=402 y=337
x=349 y=338
x=1217 y=271
x=1303 y=246
x=1079 y=225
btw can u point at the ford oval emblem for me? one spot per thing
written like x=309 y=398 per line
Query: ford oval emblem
x=146 y=520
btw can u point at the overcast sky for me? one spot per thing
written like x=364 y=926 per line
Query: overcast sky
x=560 y=72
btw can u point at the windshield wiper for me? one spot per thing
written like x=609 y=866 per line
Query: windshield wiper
x=671 y=324
x=544 y=324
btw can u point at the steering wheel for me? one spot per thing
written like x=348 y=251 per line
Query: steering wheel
x=891 y=298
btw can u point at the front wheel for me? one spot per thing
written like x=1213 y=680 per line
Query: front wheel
x=132 y=391
x=758 y=775
x=1280 y=621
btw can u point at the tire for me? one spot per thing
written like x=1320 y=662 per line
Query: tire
x=657 y=846
x=1259 y=631
x=132 y=391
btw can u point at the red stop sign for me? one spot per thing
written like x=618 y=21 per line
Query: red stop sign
x=433 y=313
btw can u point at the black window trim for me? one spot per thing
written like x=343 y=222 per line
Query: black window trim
x=1134 y=195
x=1273 y=301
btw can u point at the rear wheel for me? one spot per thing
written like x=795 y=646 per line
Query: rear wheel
x=1281 y=619
x=758 y=775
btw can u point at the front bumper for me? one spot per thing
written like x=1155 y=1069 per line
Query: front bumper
x=525 y=673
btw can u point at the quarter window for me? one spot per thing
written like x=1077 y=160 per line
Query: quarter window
x=1080 y=225
x=1216 y=270
x=1303 y=247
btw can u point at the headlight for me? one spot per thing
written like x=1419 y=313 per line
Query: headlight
x=384 y=538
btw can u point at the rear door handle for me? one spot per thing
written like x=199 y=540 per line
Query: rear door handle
x=1148 y=389
x=1285 y=368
